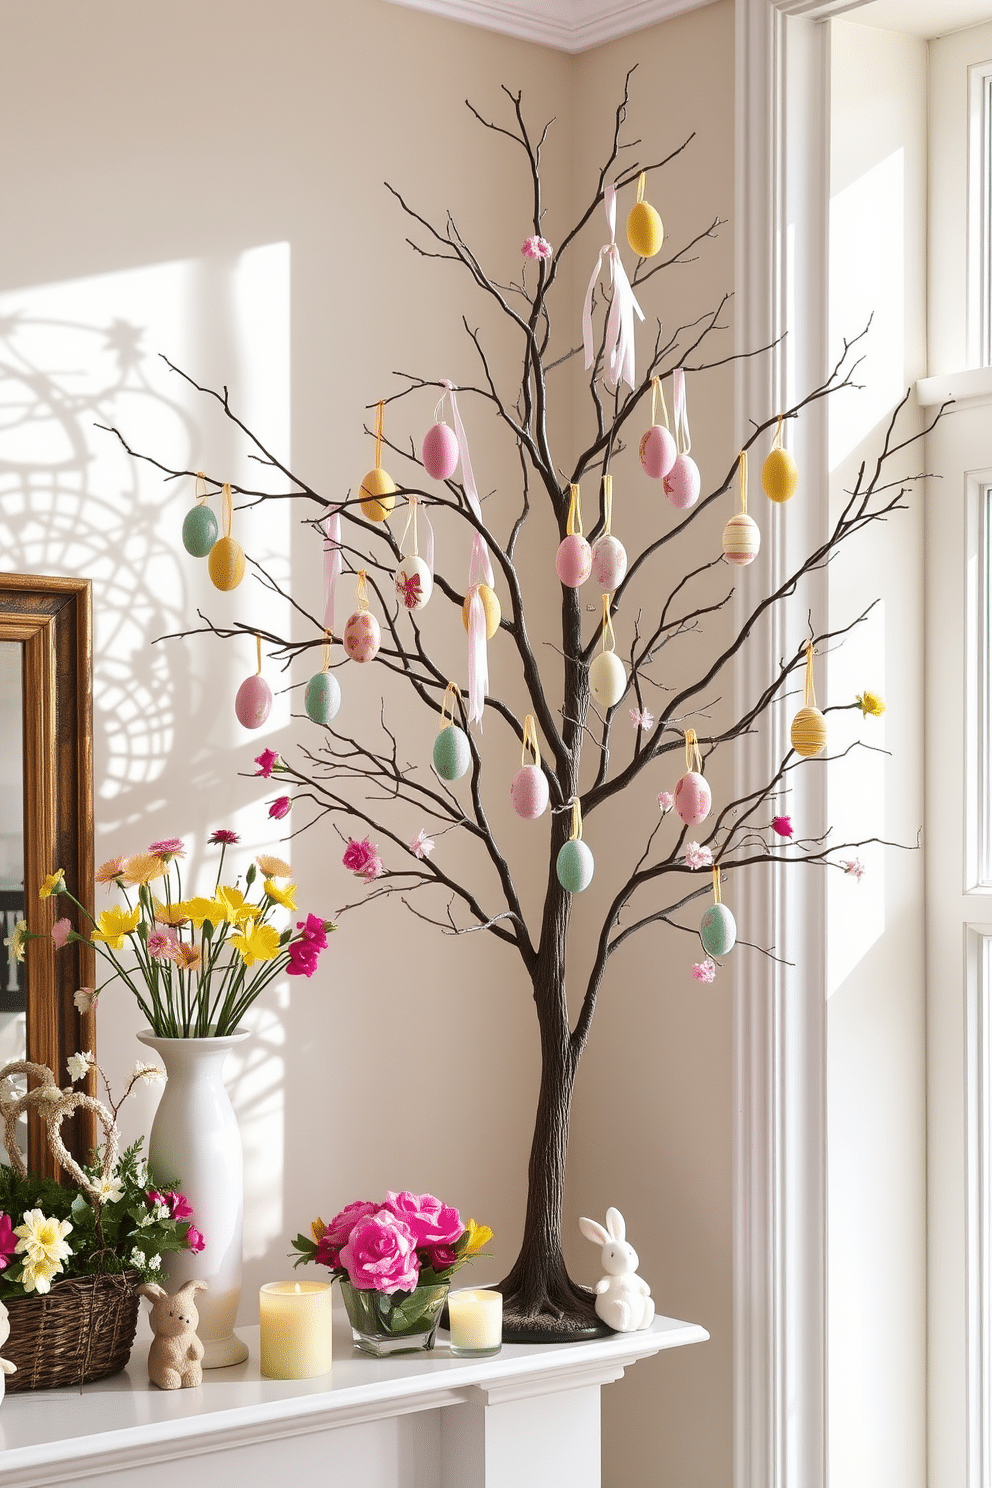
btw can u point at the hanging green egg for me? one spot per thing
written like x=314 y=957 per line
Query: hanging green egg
x=575 y=866
x=323 y=697
x=199 y=531
x=452 y=752
x=718 y=930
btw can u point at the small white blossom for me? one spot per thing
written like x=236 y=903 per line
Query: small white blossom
x=85 y=999
x=109 y=1189
x=143 y=1071
x=422 y=846
x=144 y=1220
x=154 y=1262
x=78 y=1064
x=138 y=1260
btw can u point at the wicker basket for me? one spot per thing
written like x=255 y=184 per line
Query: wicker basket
x=81 y=1330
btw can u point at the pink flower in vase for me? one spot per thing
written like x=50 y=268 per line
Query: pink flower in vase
x=339 y=1230
x=168 y=848
x=314 y=931
x=8 y=1241
x=223 y=837
x=60 y=933
x=431 y=1222
x=163 y=944
x=381 y=1254
x=303 y=957
x=194 y=1239
x=179 y=1206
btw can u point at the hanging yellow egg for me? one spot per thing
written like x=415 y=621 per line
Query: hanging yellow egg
x=226 y=563
x=645 y=232
x=779 y=475
x=490 y=608
x=809 y=732
x=378 y=497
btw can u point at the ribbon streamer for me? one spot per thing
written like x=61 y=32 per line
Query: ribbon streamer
x=716 y=884
x=414 y=502
x=693 y=758
x=619 y=345
x=530 y=741
x=658 y=396
x=326 y=649
x=576 y=833
x=258 y=651
x=200 y=485
x=228 y=501
x=680 y=410
x=379 y=411
x=607 y=504
x=608 y=632
x=332 y=564
x=362 y=591
x=480 y=571
x=574 y=524
x=778 y=441
x=742 y=475
x=451 y=692
x=809 y=695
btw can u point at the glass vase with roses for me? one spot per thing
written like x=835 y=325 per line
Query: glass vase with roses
x=394 y=1260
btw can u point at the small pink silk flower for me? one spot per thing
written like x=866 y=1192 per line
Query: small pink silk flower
x=666 y=801
x=641 y=720
x=704 y=971
x=698 y=857
x=783 y=826
x=535 y=248
x=362 y=858
x=60 y=933
x=422 y=845
x=169 y=847
x=855 y=867
x=267 y=761
x=223 y=837
x=279 y=807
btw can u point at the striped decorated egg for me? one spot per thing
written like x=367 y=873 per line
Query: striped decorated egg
x=693 y=798
x=529 y=793
x=682 y=483
x=439 y=452
x=658 y=452
x=607 y=679
x=808 y=732
x=226 y=563
x=322 y=698
x=575 y=866
x=609 y=562
x=199 y=531
x=452 y=752
x=573 y=561
x=253 y=702
x=718 y=930
x=414 y=583
x=362 y=636
x=779 y=475
x=490 y=607
x=741 y=540
x=378 y=494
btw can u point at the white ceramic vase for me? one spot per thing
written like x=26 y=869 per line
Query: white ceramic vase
x=195 y=1139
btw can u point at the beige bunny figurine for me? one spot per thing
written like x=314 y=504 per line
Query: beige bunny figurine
x=623 y=1299
x=6 y=1367
x=175 y=1353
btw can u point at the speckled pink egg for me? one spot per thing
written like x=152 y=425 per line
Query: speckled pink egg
x=573 y=561
x=682 y=482
x=658 y=452
x=609 y=562
x=362 y=636
x=693 y=798
x=439 y=452
x=253 y=702
x=529 y=792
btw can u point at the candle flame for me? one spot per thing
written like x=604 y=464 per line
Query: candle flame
x=297 y=1289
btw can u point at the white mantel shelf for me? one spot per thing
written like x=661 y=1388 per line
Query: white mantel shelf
x=526 y=1416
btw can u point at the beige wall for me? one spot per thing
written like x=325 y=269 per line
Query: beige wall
x=875 y=1021
x=211 y=174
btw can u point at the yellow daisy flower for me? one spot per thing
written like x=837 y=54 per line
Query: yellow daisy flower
x=199 y=910
x=234 y=907
x=257 y=943
x=54 y=884
x=280 y=896
x=115 y=924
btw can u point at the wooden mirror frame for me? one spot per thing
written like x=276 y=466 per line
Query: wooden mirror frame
x=52 y=620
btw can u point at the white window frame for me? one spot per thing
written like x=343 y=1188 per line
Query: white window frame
x=978 y=991
x=979 y=311
x=978 y=684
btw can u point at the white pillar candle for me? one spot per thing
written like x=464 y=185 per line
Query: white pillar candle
x=475 y=1319
x=295 y=1332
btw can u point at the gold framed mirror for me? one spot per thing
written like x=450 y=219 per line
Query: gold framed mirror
x=46 y=631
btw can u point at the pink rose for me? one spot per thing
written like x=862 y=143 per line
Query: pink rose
x=303 y=956
x=363 y=859
x=339 y=1230
x=153 y=1197
x=430 y=1221
x=440 y=1257
x=314 y=931
x=194 y=1240
x=381 y=1254
x=179 y=1206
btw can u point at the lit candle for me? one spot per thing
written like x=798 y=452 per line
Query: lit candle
x=295 y=1334
x=475 y=1319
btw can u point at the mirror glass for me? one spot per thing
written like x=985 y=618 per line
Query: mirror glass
x=13 y=1030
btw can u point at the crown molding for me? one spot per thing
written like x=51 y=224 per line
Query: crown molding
x=578 y=25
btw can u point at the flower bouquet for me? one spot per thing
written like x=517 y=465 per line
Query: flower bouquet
x=198 y=963
x=394 y=1261
x=72 y=1255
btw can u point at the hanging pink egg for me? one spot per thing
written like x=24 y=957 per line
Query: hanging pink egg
x=529 y=792
x=693 y=799
x=609 y=562
x=253 y=702
x=682 y=482
x=573 y=561
x=362 y=636
x=658 y=452
x=439 y=452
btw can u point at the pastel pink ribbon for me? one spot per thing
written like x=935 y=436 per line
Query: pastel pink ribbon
x=428 y=553
x=680 y=412
x=332 y=565
x=480 y=571
x=619 y=347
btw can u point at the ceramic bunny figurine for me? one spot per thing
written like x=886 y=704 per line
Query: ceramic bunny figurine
x=6 y=1367
x=175 y=1353
x=623 y=1299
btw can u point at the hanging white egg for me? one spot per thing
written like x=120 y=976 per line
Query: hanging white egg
x=414 y=583
x=607 y=679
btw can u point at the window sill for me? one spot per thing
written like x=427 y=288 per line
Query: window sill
x=971 y=389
